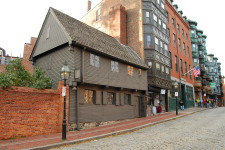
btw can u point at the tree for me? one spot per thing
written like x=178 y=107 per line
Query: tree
x=17 y=75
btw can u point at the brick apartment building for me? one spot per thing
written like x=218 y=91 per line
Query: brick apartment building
x=181 y=54
x=141 y=24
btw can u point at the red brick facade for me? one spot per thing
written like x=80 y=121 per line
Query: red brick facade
x=117 y=25
x=129 y=12
x=28 y=112
x=28 y=48
x=184 y=51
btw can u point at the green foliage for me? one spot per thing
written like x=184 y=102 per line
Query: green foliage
x=39 y=80
x=4 y=81
x=17 y=75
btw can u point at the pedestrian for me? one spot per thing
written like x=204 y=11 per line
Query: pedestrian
x=201 y=103
x=204 y=103
x=207 y=101
x=181 y=105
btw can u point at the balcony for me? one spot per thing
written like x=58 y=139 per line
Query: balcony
x=201 y=56
x=194 y=40
x=202 y=48
x=193 y=27
x=195 y=54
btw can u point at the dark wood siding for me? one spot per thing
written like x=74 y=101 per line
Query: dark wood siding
x=104 y=76
x=56 y=36
x=56 y=60
x=101 y=112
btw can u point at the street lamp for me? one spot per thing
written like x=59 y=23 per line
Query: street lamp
x=175 y=84
x=65 y=73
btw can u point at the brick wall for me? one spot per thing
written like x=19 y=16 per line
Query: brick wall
x=175 y=51
x=28 y=48
x=131 y=11
x=28 y=112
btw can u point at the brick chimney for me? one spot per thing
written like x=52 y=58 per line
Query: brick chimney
x=28 y=48
x=118 y=23
x=88 y=5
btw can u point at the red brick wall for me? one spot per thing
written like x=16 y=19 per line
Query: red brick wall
x=174 y=50
x=28 y=48
x=28 y=112
x=134 y=32
x=117 y=23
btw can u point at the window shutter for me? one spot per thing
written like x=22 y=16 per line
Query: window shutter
x=104 y=98
x=81 y=96
x=122 y=98
x=98 y=97
x=132 y=99
x=117 y=99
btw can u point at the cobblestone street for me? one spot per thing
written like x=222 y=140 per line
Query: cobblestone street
x=200 y=131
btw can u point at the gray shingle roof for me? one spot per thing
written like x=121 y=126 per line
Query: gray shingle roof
x=88 y=36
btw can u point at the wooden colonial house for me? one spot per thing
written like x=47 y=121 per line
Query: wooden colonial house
x=110 y=78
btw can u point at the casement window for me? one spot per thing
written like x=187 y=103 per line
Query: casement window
x=167 y=71
x=184 y=48
x=166 y=47
x=94 y=60
x=163 y=69
x=194 y=47
x=114 y=66
x=163 y=6
x=139 y=72
x=127 y=99
x=160 y=22
x=89 y=97
x=186 y=68
x=148 y=41
x=173 y=23
x=164 y=26
x=98 y=13
x=130 y=70
x=161 y=44
x=188 y=52
x=195 y=60
x=178 y=28
x=156 y=41
x=157 y=66
x=176 y=63
x=193 y=33
x=158 y=1
x=174 y=40
x=179 y=44
x=147 y=17
x=181 y=66
x=155 y=18
x=111 y=98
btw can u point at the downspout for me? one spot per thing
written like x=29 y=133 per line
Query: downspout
x=77 y=91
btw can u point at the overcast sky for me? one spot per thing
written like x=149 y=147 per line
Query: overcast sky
x=22 y=19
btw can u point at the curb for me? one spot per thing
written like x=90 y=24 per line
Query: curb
x=109 y=134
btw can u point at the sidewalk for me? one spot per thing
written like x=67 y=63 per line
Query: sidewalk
x=54 y=140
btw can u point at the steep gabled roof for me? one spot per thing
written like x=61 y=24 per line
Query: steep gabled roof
x=94 y=39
